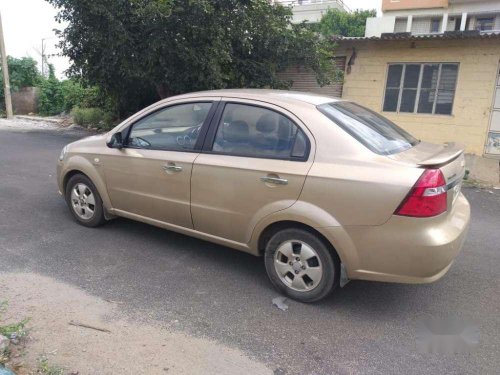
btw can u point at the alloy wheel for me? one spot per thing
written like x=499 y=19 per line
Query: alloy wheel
x=83 y=201
x=298 y=265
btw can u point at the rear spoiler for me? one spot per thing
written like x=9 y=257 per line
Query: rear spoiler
x=450 y=152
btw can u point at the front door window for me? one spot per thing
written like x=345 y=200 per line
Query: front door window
x=174 y=128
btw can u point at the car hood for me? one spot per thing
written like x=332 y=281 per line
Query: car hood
x=88 y=142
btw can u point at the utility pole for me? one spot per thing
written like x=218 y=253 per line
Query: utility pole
x=43 y=57
x=5 y=70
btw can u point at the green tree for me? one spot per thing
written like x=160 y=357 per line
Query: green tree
x=140 y=50
x=335 y=22
x=51 y=101
x=23 y=72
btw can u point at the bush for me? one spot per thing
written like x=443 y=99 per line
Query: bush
x=51 y=95
x=92 y=117
x=75 y=95
x=87 y=116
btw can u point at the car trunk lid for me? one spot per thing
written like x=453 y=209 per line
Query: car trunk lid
x=448 y=157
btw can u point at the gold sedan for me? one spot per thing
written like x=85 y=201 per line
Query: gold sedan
x=324 y=189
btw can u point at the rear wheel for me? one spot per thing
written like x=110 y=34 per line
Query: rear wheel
x=301 y=265
x=84 y=201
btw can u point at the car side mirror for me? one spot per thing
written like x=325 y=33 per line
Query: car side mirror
x=116 y=141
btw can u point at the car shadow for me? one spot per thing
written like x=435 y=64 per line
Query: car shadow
x=371 y=300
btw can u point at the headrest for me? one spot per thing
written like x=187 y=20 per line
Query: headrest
x=284 y=128
x=266 y=123
x=236 y=131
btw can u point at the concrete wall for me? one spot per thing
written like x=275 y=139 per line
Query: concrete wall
x=25 y=101
x=469 y=122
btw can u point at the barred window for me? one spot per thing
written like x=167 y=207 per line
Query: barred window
x=421 y=88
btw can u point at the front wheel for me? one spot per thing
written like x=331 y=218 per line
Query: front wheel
x=301 y=265
x=84 y=201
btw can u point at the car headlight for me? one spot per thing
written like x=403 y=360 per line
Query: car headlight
x=63 y=153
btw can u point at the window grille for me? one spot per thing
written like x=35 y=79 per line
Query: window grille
x=421 y=88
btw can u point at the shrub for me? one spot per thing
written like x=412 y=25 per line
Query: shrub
x=51 y=100
x=76 y=95
x=88 y=116
x=92 y=117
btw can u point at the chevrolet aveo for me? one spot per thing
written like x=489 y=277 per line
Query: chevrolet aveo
x=318 y=186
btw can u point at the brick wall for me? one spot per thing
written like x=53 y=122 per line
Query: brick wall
x=469 y=121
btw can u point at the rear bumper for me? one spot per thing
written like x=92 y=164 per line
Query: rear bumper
x=409 y=250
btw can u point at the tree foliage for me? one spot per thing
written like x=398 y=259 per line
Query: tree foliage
x=139 y=50
x=51 y=100
x=23 y=72
x=335 y=22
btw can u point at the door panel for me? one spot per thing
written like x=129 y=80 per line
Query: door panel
x=229 y=196
x=151 y=183
x=151 y=175
x=239 y=178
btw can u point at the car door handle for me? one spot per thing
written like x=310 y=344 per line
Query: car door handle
x=274 y=180
x=172 y=168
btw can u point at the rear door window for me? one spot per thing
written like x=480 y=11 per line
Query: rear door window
x=247 y=130
x=374 y=131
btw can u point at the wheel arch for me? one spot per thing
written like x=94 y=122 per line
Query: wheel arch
x=80 y=165
x=273 y=228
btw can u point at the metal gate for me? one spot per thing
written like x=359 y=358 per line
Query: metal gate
x=304 y=80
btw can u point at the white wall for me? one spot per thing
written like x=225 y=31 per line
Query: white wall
x=375 y=26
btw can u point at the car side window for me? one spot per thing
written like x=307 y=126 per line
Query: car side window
x=246 y=130
x=174 y=128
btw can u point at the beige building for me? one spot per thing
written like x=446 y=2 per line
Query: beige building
x=432 y=67
x=440 y=88
x=448 y=49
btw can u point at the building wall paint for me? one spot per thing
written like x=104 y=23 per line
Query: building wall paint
x=412 y=4
x=375 y=26
x=469 y=121
x=470 y=7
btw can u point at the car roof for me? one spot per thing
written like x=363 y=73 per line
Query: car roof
x=270 y=96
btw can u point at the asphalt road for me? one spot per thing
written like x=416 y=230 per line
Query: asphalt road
x=215 y=292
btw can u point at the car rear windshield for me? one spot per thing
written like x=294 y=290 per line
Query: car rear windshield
x=374 y=131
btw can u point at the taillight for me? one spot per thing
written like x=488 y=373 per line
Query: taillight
x=427 y=198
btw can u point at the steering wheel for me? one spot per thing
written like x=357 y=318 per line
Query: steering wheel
x=183 y=140
x=194 y=132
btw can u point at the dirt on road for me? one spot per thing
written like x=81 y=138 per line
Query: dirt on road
x=87 y=335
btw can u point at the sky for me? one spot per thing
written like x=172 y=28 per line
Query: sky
x=27 y=22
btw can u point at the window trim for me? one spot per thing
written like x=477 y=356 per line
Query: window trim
x=417 y=99
x=201 y=137
x=216 y=121
x=479 y=21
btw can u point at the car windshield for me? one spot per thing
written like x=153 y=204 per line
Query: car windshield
x=374 y=131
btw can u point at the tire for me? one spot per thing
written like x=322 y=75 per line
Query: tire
x=314 y=271
x=89 y=210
